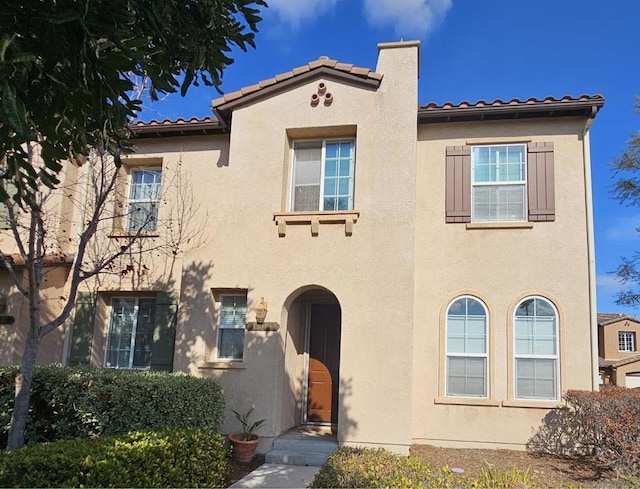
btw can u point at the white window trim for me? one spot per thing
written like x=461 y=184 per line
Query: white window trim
x=524 y=183
x=220 y=327
x=629 y=338
x=466 y=355
x=292 y=181
x=132 y=343
x=130 y=200
x=555 y=357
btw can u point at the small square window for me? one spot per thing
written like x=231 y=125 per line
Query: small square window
x=626 y=341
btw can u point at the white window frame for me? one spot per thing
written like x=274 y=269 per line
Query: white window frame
x=498 y=183
x=626 y=341
x=240 y=324
x=533 y=356
x=134 y=330
x=155 y=203
x=485 y=355
x=323 y=177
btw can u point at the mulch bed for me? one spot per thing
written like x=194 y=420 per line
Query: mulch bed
x=545 y=470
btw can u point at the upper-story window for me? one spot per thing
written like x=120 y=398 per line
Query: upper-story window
x=144 y=197
x=323 y=175
x=536 y=350
x=499 y=183
x=467 y=348
x=626 y=341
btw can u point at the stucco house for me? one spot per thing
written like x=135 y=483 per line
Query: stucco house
x=617 y=343
x=405 y=273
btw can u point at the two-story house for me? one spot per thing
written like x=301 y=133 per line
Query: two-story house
x=427 y=271
x=619 y=355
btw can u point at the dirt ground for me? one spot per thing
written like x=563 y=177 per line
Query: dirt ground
x=544 y=470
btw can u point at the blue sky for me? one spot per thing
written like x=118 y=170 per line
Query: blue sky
x=473 y=50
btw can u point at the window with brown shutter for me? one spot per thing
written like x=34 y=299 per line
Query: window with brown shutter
x=458 y=190
x=541 y=191
x=499 y=197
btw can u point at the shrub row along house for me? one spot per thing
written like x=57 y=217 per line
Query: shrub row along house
x=340 y=254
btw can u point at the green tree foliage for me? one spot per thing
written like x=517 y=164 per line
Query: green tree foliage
x=68 y=69
x=626 y=189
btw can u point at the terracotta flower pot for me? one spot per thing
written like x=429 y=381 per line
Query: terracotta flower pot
x=243 y=450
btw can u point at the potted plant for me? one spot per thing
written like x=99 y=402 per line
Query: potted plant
x=244 y=444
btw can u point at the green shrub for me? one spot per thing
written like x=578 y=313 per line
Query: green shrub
x=376 y=467
x=81 y=402
x=171 y=458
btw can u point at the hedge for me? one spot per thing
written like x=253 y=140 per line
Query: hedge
x=375 y=467
x=605 y=424
x=82 y=402
x=171 y=458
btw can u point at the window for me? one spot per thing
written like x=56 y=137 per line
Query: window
x=323 y=175
x=536 y=350
x=144 y=196
x=231 y=323
x=467 y=348
x=131 y=329
x=626 y=341
x=500 y=183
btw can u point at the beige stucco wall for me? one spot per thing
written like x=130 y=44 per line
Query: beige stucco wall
x=500 y=267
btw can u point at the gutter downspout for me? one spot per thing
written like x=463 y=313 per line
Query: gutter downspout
x=591 y=258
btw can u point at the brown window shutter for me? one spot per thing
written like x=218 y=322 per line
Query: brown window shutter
x=458 y=184
x=541 y=191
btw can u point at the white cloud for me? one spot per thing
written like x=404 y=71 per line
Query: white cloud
x=623 y=228
x=609 y=284
x=409 y=17
x=295 y=12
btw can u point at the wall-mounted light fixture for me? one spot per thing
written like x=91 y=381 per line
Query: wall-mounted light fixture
x=261 y=311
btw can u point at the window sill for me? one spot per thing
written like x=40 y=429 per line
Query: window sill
x=131 y=234
x=466 y=401
x=500 y=225
x=348 y=218
x=222 y=365
x=530 y=403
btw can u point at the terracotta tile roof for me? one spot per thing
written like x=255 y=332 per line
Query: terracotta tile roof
x=176 y=127
x=603 y=363
x=322 y=62
x=584 y=105
x=605 y=318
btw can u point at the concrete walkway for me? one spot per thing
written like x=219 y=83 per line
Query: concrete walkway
x=276 y=475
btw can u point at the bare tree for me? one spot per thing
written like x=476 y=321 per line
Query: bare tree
x=45 y=233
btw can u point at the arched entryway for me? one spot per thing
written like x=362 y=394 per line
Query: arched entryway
x=314 y=324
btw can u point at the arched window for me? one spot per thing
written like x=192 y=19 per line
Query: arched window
x=536 y=350
x=467 y=348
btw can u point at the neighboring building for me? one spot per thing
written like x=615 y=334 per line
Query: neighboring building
x=428 y=271
x=618 y=349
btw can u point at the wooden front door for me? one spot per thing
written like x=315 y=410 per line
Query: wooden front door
x=324 y=363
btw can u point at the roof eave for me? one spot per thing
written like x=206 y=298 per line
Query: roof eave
x=578 y=108
x=177 y=129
